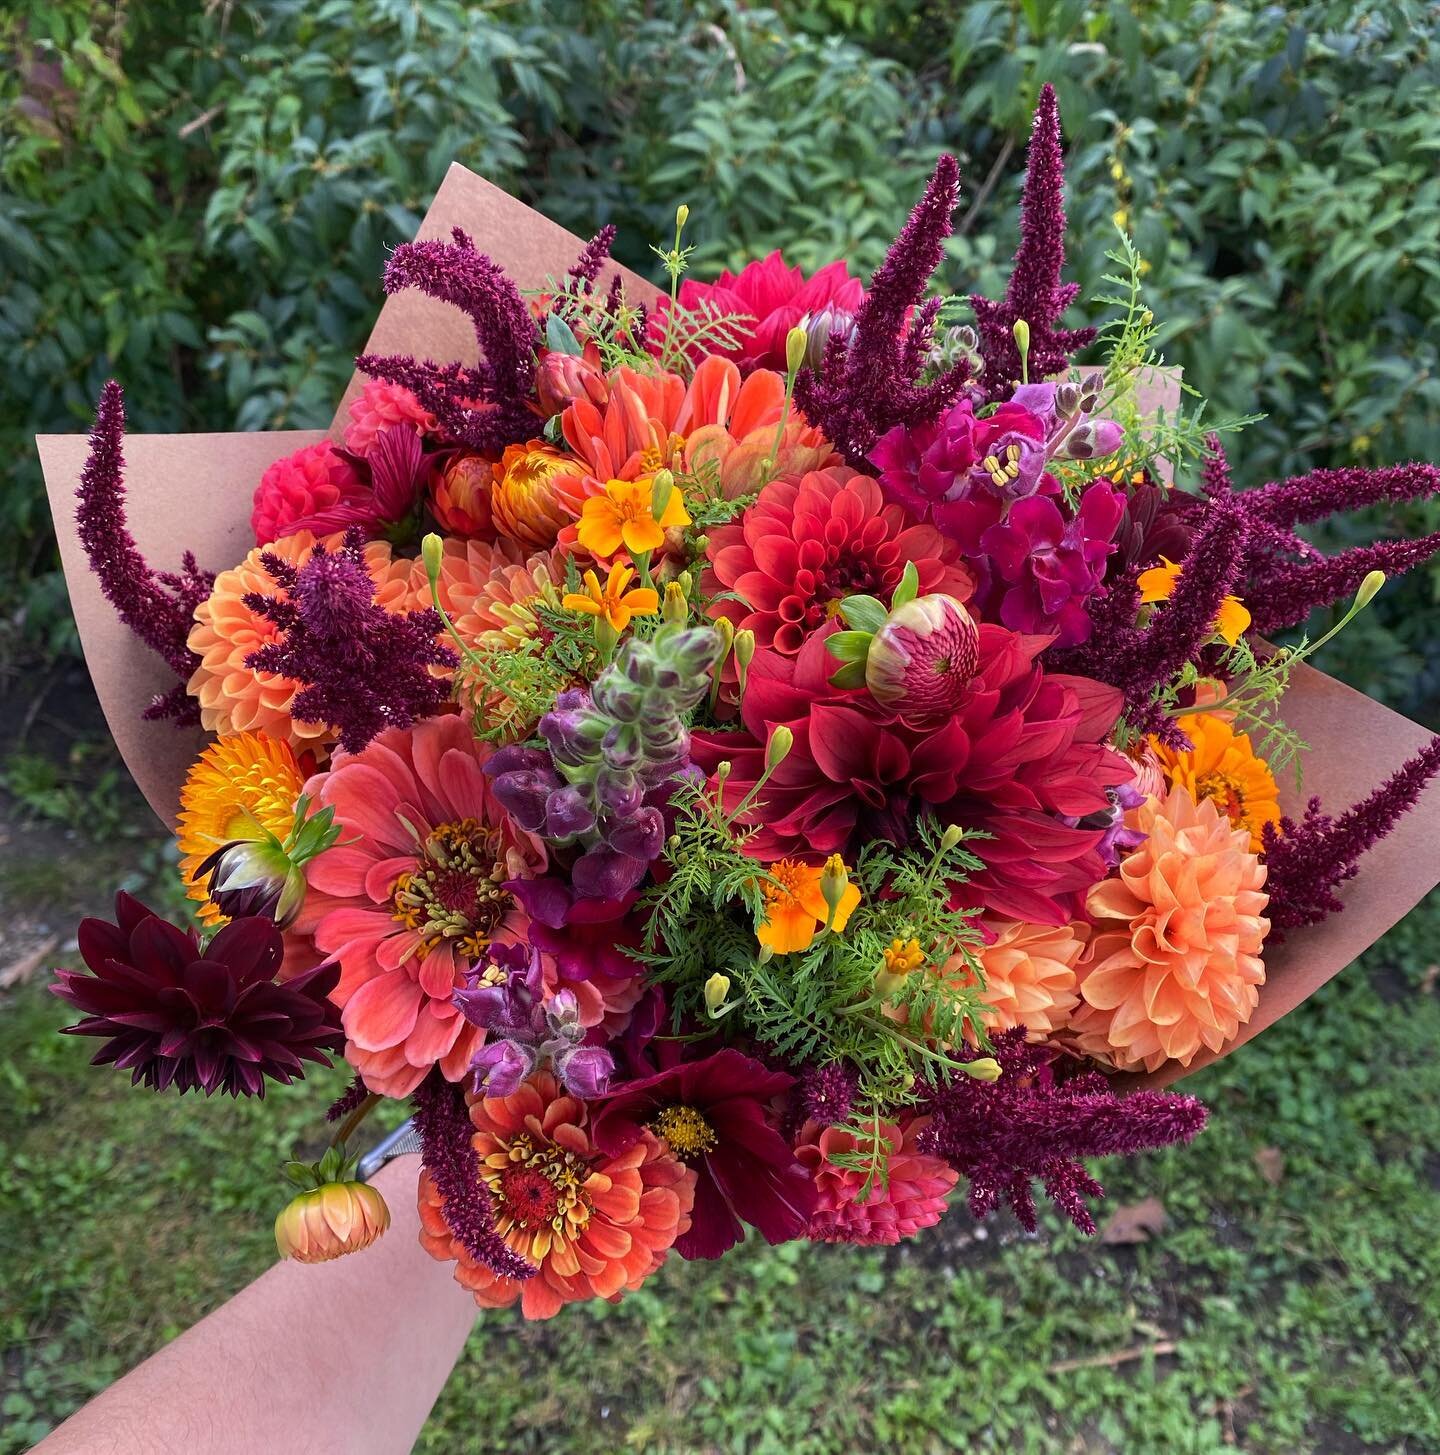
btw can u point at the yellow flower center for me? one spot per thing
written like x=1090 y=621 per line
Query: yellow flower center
x=903 y=956
x=454 y=892
x=1226 y=793
x=687 y=1132
x=789 y=877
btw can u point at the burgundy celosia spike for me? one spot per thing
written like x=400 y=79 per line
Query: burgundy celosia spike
x=159 y=607
x=486 y=407
x=448 y=1156
x=1285 y=593
x=347 y=1101
x=868 y=382
x=364 y=669
x=593 y=257
x=1035 y=292
x=1215 y=482
x=1305 y=498
x=1032 y=1125
x=1308 y=860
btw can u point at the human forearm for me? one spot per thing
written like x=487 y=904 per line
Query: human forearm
x=346 y=1356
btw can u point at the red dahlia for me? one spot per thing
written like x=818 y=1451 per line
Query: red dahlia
x=1022 y=757
x=211 y=1019
x=801 y=547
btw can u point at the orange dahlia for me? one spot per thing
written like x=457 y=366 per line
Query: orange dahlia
x=238 y=786
x=1223 y=767
x=1029 y=975
x=235 y=698
x=1174 y=962
x=535 y=494
x=459 y=496
x=596 y=1226
x=717 y=423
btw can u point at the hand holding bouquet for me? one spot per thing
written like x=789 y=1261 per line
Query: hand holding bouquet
x=744 y=759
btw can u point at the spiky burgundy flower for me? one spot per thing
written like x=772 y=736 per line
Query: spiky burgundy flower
x=1035 y=292
x=826 y=1093
x=1030 y=1125
x=593 y=257
x=198 y=1018
x=443 y=1123
x=869 y=380
x=364 y=668
x=158 y=606
x=1307 y=861
x=485 y=406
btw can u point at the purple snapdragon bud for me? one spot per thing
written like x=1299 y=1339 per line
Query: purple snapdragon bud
x=620 y=792
x=525 y=796
x=567 y=814
x=641 y=836
x=605 y=873
x=501 y=1067
x=585 y=1071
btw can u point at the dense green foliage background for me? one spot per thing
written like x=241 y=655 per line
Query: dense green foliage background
x=199 y=199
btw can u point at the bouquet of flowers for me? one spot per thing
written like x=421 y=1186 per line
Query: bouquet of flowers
x=743 y=757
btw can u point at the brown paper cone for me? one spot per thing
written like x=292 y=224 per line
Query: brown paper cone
x=194 y=491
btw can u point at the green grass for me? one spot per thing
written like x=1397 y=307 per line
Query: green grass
x=1305 y=1314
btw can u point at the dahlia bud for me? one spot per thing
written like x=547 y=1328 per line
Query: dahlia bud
x=561 y=379
x=460 y=497
x=923 y=656
x=329 y=1221
x=254 y=877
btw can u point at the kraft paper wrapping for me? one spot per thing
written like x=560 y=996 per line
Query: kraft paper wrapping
x=194 y=492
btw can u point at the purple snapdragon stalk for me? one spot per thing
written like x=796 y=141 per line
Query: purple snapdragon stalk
x=504 y=995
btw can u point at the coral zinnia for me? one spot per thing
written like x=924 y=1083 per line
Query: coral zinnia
x=198 y=1019
x=911 y=1194
x=1022 y=757
x=235 y=698
x=412 y=893
x=299 y=486
x=713 y=1114
x=238 y=787
x=1223 y=767
x=715 y=424
x=784 y=566
x=597 y=1224
x=1029 y=975
x=769 y=298
x=1175 y=963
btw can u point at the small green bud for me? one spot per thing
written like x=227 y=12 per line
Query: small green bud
x=725 y=630
x=765 y=956
x=744 y=647
x=661 y=489
x=781 y=741
x=717 y=987
x=951 y=837
x=722 y=772
x=432 y=552
x=834 y=881
x=1369 y=587
x=795 y=342
x=987 y=1068
x=676 y=610
x=682 y=216
x=1022 y=337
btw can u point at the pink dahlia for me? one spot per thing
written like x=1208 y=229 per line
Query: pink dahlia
x=772 y=298
x=299 y=486
x=911 y=1196
x=411 y=895
x=785 y=565
x=379 y=407
x=1022 y=756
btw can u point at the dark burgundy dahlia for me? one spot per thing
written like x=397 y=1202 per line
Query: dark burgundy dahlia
x=211 y=1018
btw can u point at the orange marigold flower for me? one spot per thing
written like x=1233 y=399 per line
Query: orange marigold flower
x=235 y=698
x=329 y=1221
x=795 y=908
x=1158 y=584
x=238 y=787
x=536 y=493
x=617 y=602
x=460 y=496
x=1223 y=767
x=596 y=1226
x=1174 y=962
x=625 y=516
x=1029 y=971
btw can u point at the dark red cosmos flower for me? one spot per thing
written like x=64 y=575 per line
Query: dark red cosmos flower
x=714 y=1115
x=801 y=547
x=772 y=298
x=1022 y=757
x=211 y=1019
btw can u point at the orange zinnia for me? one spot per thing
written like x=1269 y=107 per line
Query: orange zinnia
x=617 y=602
x=625 y=516
x=1223 y=767
x=795 y=908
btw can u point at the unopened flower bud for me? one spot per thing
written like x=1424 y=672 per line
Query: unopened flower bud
x=781 y=741
x=1368 y=589
x=744 y=647
x=987 y=1068
x=1067 y=398
x=795 y=343
x=682 y=216
x=329 y=1221
x=661 y=489
x=676 y=609
x=1022 y=337
x=717 y=987
x=432 y=552
x=951 y=837
x=834 y=881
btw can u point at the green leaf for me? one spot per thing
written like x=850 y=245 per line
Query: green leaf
x=908 y=589
x=560 y=337
x=852 y=674
x=864 y=613
x=849 y=646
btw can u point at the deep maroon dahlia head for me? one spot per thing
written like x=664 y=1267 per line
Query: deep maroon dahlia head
x=206 y=1018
